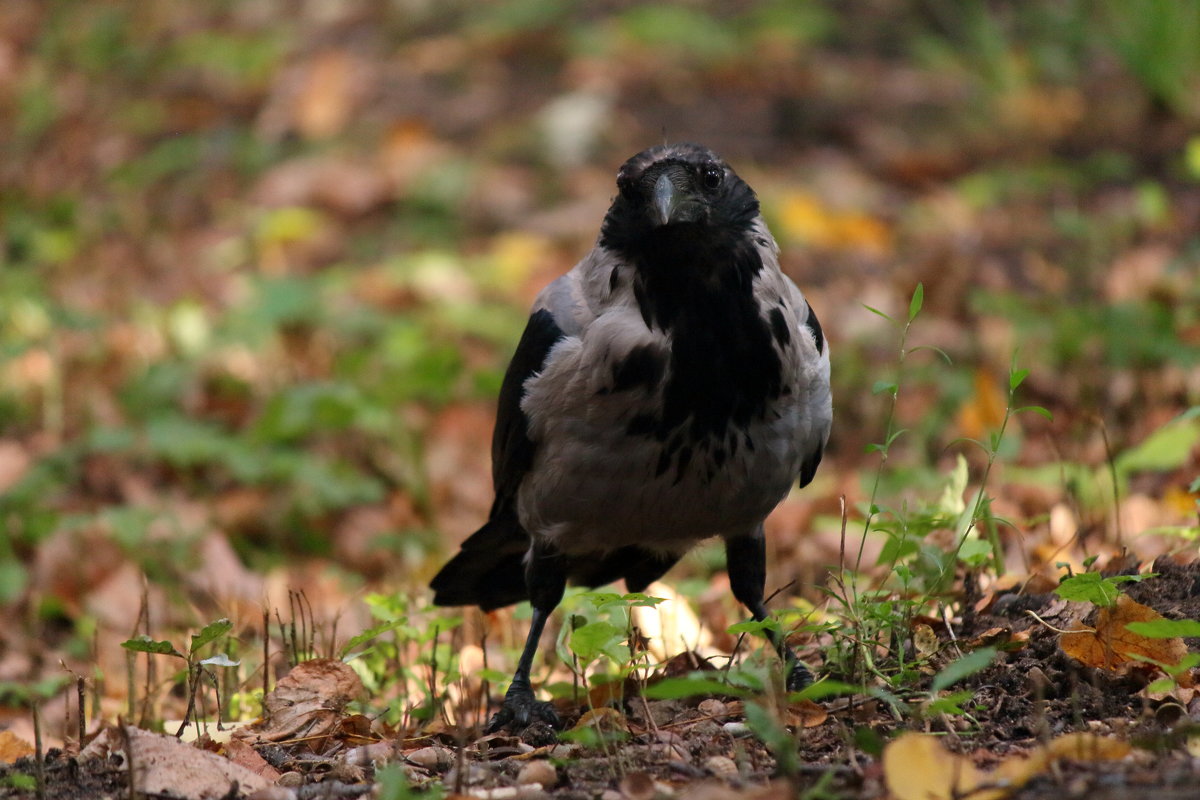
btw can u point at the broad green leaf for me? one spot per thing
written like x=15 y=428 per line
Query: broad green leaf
x=692 y=686
x=1092 y=587
x=755 y=626
x=1165 y=628
x=602 y=600
x=971 y=663
x=1016 y=377
x=975 y=552
x=144 y=644
x=824 y=688
x=209 y=633
x=949 y=704
x=369 y=634
x=598 y=638
x=640 y=600
x=1167 y=448
x=880 y=387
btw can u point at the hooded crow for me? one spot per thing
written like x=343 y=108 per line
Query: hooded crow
x=673 y=386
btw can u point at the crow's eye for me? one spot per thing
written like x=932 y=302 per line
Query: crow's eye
x=713 y=175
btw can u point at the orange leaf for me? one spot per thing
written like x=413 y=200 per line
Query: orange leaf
x=806 y=714
x=13 y=747
x=1114 y=647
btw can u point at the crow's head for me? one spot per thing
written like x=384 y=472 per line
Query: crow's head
x=680 y=194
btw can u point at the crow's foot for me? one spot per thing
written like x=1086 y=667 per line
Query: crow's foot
x=520 y=710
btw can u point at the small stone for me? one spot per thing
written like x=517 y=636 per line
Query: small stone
x=290 y=779
x=276 y=792
x=371 y=754
x=499 y=793
x=637 y=786
x=540 y=772
x=722 y=767
x=736 y=729
x=435 y=758
x=473 y=775
x=1037 y=682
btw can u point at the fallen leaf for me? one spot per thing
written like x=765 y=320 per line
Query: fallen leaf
x=243 y=754
x=601 y=719
x=925 y=641
x=1112 y=646
x=805 y=714
x=606 y=692
x=13 y=747
x=163 y=765
x=917 y=767
x=306 y=704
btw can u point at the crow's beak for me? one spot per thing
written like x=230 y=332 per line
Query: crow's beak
x=666 y=199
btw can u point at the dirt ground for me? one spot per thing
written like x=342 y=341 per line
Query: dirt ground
x=702 y=748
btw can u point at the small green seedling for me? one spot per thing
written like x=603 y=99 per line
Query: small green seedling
x=195 y=665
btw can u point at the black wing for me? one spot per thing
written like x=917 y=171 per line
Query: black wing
x=489 y=570
x=512 y=450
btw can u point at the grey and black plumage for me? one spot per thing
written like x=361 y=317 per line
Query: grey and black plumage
x=673 y=386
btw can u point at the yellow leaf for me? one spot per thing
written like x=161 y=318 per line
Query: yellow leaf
x=1088 y=747
x=925 y=640
x=917 y=767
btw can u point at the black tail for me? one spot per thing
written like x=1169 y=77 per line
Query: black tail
x=489 y=570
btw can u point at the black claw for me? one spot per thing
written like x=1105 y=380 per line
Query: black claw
x=520 y=710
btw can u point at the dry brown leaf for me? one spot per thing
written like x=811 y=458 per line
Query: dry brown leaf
x=806 y=714
x=1001 y=637
x=606 y=692
x=306 y=704
x=917 y=767
x=601 y=719
x=1087 y=747
x=243 y=754
x=13 y=747
x=1112 y=646
x=164 y=765
x=925 y=641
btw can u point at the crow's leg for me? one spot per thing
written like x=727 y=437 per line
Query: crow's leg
x=746 y=557
x=546 y=578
